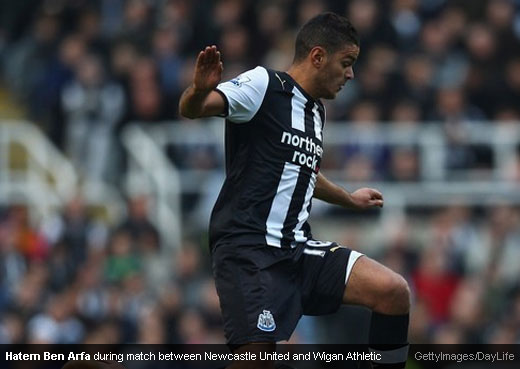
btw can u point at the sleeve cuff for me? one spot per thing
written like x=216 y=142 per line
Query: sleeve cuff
x=226 y=103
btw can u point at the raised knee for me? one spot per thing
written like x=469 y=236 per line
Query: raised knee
x=402 y=294
x=396 y=296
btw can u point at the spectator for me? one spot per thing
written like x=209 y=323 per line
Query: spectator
x=404 y=166
x=407 y=113
x=147 y=104
x=122 y=261
x=188 y=272
x=26 y=239
x=435 y=284
x=25 y=69
x=167 y=57
x=76 y=233
x=92 y=106
x=57 y=324
x=12 y=328
x=137 y=224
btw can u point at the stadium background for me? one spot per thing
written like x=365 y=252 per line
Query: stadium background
x=105 y=194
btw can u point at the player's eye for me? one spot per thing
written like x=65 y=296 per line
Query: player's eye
x=349 y=62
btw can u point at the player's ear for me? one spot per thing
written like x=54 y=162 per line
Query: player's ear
x=317 y=56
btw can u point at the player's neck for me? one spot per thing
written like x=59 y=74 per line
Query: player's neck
x=304 y=77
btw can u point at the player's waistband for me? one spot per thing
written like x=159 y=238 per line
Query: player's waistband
x=255 y=240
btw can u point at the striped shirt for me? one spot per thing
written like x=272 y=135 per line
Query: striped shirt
x=273 y=155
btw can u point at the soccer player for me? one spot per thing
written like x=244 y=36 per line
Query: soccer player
x=268 y=269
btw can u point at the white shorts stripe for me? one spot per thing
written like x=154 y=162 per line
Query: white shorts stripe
x=354 y=256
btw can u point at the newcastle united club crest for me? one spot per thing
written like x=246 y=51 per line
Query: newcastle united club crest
x=266 y=321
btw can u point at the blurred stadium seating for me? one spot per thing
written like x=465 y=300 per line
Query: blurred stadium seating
x=105 y=192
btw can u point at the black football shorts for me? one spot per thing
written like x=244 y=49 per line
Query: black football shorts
x=264 y=290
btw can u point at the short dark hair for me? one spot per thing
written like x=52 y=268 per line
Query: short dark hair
x=328 y=30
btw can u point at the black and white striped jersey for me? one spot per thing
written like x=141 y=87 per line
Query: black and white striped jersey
x=273 y=154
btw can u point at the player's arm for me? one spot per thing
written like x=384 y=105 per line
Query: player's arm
x=330 y=192
x=200 y=99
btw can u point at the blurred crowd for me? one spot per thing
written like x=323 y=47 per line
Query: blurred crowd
x=463 y=271
x=75 y=279
x=84 y=70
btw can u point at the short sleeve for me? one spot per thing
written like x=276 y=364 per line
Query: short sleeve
x=244 y=94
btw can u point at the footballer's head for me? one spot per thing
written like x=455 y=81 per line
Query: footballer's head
x=330 y=43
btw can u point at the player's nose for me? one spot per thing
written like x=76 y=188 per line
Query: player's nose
x=349 y=73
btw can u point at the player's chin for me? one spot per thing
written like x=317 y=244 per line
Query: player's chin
x=329 y=95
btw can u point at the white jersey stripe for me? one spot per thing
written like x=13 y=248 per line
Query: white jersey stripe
x=317 y=122
x=281 y=203
x=298 y=102
x=304 y=213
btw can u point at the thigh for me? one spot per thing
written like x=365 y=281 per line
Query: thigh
x=368 y=283
x=324 y=271
x=258 y=294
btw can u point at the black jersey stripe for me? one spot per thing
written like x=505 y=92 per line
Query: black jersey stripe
x=299 y=234
x=322 y=115
x=297 y=202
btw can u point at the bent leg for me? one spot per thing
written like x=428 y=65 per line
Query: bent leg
x=373 y=285
x=387 y=294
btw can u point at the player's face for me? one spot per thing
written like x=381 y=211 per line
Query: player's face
x=337 y=70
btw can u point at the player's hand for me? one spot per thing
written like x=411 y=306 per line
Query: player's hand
x=366 y=198
x=208 y=69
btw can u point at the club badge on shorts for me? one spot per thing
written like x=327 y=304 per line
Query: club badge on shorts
x=266 y=322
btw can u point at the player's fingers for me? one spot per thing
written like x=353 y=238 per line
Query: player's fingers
x=378 y=203
x=202 y=59
x=212 y=54
x=207 y=51
x=216 y=57
x=376 y=194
